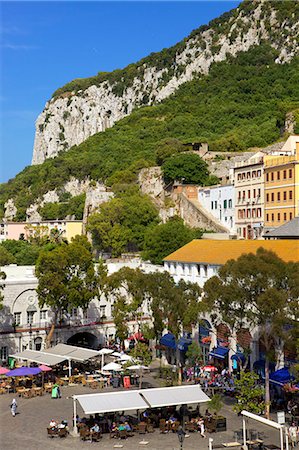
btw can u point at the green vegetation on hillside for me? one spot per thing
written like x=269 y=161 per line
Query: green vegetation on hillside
x=241 y=103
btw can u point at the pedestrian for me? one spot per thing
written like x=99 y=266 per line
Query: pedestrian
x=13 y=407
x=293 y=435
x=201 y=425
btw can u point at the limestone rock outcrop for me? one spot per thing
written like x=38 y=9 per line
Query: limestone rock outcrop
x=71 y=117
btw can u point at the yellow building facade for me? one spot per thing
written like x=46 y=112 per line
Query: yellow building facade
x=281 y=175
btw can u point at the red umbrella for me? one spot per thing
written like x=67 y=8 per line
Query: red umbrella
x=209 y=369
x=136 y=337
x=3 y=371
x=44 y=368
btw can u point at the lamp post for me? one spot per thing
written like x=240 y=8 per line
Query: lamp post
x=181 y=436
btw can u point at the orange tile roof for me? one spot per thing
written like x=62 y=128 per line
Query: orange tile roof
x=219 y=252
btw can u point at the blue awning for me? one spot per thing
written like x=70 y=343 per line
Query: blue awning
x=238 y=357
x=183 y=344
x=168 y=340
x=219 y=352
x=281 y=376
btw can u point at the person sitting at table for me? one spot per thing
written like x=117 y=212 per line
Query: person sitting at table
x=121 y=427
x=63 y=424
x=114 y=427
x=53 y=424
x=95 y=428
x=127 y=426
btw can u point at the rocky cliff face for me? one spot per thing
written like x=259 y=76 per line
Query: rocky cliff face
x=73 y=115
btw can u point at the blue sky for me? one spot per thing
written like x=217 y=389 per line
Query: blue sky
x=46 y=44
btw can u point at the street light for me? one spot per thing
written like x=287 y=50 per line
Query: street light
x=181 y=436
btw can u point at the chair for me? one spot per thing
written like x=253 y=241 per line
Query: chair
x=122 y=434
x=142 y=428
x=96 y=436
x=27 y=394
x=150 y=428
x=52 y=432
x=114 y=434
x=162 y=426
x=84 y=434
x=84 y=383
x=62 y=432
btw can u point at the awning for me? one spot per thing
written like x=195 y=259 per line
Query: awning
x=219 y=352
x=238 y=357
x=39 y=357
x=184 y=343
x=168 y=340
x=179 y=395
x=281 y=376
x=141 y=399
x=72 y=352
x=111 y=402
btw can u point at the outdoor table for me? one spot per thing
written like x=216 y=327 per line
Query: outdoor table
x=48 y=387
x=23 y=393
x=65 y=380
x=37 y=391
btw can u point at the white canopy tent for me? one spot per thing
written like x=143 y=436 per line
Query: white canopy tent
x=103 y=352
x=39 y=357
x=178 y=395
x=138 y=399
x=59 y=353
x=112 y=367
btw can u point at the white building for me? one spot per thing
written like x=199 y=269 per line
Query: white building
x=24 y=325
x=219 y=201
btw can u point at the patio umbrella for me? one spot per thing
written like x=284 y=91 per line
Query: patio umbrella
x=112 y=367
x=3 y=371
x=44 y=368
x=125 y=357
x=210 y=369
x=140 y=368
x=117 y=354
x=103 y=352
x=23 y=371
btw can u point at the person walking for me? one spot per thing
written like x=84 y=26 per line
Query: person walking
x=13 y=407
x=293 y=435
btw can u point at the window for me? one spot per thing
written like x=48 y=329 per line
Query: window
x=254 y=193
x=4 y=353
x=259 y=212
x=230 y=203
x=272 y=197
x=267 y=217
x=212 y=205
x=30 y=316
x=284 y=216
x=259 y=192
x=284 y=195
x=253 y=213
x=243 y=195
x=278 y=196
x=216 y=204
x=103 y=310
x=254 y=174
x=284 y=174
x=205 y=271
x=74 y=312
x=43 y=314
x=17 y=318
x=248 y=194
x=248 y=214
x=278 y=175
x=278 y=217
x=248 y=175
x=290 y=173
x=267 y=197
x=272 y=217
x=267 y=177
x=290 y=195
x=224 y=204
x=272 y=176
x=291 y=216
x=239 y=176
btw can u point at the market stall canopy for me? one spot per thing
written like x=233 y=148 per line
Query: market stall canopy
x=39 y=357
x=178 y=395
x=71 y=352
x=184 y=343
x=113 y=367
x=168 y=340
x=44 y=368
x=3 y=370
x=111 y=402
x=238 y=357
x=23 y=372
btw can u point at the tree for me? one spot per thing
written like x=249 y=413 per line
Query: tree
x=187 y=168
x=193 y=354
x=256 y=291
x=121 y=223
x=6 y=257
x=163 y=239
x=167 y=148
x=66 y=278
x=23 y=252
x=216 y=403
x=249 y=394
x=142 y=355
x=38 y=234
